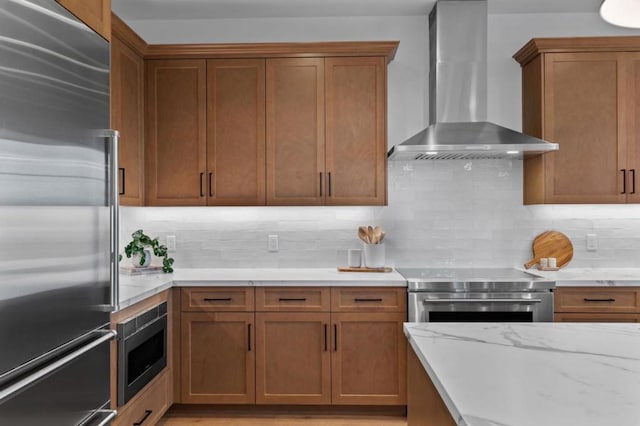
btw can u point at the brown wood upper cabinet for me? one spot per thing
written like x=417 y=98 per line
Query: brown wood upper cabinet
x=94 y=13
x=235 y=132
x=295 y=132
x=583 y=94
x=356 y=143
x=176 y=144
x=127 y=116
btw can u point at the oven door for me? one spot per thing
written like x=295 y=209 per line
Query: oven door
x=481 y=307
x=141 y=356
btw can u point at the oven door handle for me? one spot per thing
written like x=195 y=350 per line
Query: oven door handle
x=525 y=301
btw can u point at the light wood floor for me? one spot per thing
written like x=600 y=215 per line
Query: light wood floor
x=283 y=421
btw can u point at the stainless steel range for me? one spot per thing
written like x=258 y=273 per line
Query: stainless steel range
x=478 y=295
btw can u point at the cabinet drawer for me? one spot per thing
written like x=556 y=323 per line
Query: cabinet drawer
x=293 y=299
x=237 y=299
x=147 y=407
x=597 y=299
x=368 y=299
x=596 y=317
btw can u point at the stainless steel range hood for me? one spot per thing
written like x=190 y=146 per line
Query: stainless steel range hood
x=458 y=93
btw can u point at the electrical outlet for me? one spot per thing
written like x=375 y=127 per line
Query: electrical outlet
x=273 y=243
x=171 y=243
x=592 y=242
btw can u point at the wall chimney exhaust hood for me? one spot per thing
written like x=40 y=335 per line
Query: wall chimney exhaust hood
x=458 y=93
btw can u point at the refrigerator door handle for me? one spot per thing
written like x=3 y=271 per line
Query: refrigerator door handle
x=113 y=136
x=31 y=379
x=110 y=415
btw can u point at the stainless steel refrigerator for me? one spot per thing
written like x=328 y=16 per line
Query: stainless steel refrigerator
x=58 y=218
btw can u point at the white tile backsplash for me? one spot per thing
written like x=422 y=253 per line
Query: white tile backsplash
x=456 y=213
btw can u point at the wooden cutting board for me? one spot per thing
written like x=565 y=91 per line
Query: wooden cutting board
x=551 y=244
x=364 y=269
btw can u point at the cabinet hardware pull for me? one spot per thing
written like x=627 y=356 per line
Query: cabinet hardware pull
x=293 y=299
x=599 y=300
x=210 y=185
x=633 y=181
x=217 y=299
x=624 y=181
x=121 y=169
x=201 y=176
x=335 y=337
x=367 y=300
x=321 y=184
x=329 y=184
x=325 y=338
x=249 y=336
x=147 y=413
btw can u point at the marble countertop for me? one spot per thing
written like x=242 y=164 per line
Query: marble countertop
x=134 y=288
x=515 y=374
x=592 y=277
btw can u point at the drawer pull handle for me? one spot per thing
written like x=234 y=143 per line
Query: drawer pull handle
x=599 y=300
x=293 y=299
x=217 y=299
x=147 y=413
x=367 y=300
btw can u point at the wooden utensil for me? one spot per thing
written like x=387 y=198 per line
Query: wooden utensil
x=370 y=234
x=362 y=234
x=377 y=232
x=551 y=244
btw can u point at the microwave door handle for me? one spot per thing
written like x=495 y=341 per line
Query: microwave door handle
x=525 y=301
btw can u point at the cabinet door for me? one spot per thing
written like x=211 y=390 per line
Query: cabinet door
x=596 y=317
x=368 y=362
x=94 y=13
x=632 y=121
x=295 y=131
x=127 y=117
x=218 y=358
x=356 y=142
x=176 y=132
x=293 y=361
x=235 y=132
x=583 y=101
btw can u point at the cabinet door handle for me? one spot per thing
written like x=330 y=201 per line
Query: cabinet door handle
x=201 y=192
x=121 y=169
x=210 y=184
x=249 y=337
x=624 y=181
x=325 y=338
x=335 y=337
x=329 y=184
x=147 y=413
x=599 y=300
x=633 y=181
x=321 y=184
x=367 y=300
x=217 y=299
x=293 y=299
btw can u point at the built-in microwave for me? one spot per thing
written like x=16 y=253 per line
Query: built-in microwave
x=142 y=351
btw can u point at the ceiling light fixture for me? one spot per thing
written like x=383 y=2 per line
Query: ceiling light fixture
x=623 y=13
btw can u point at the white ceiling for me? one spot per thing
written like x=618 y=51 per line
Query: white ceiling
x=229 y=9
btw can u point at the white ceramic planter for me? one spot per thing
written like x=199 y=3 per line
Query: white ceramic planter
x=135 y=259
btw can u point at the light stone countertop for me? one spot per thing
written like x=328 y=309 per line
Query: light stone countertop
x=592 y=277
x=135 y=288
x=517 y=374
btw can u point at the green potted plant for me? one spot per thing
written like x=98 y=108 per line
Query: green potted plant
x=139 y=246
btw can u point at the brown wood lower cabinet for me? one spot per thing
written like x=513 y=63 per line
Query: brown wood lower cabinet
x=149 y=405
x=368 y=362
x=293 y=364
x=218 y=358
x=597 y=304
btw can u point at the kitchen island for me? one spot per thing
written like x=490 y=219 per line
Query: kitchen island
x=516 y=374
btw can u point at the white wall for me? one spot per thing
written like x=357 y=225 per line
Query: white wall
x=445 y=213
